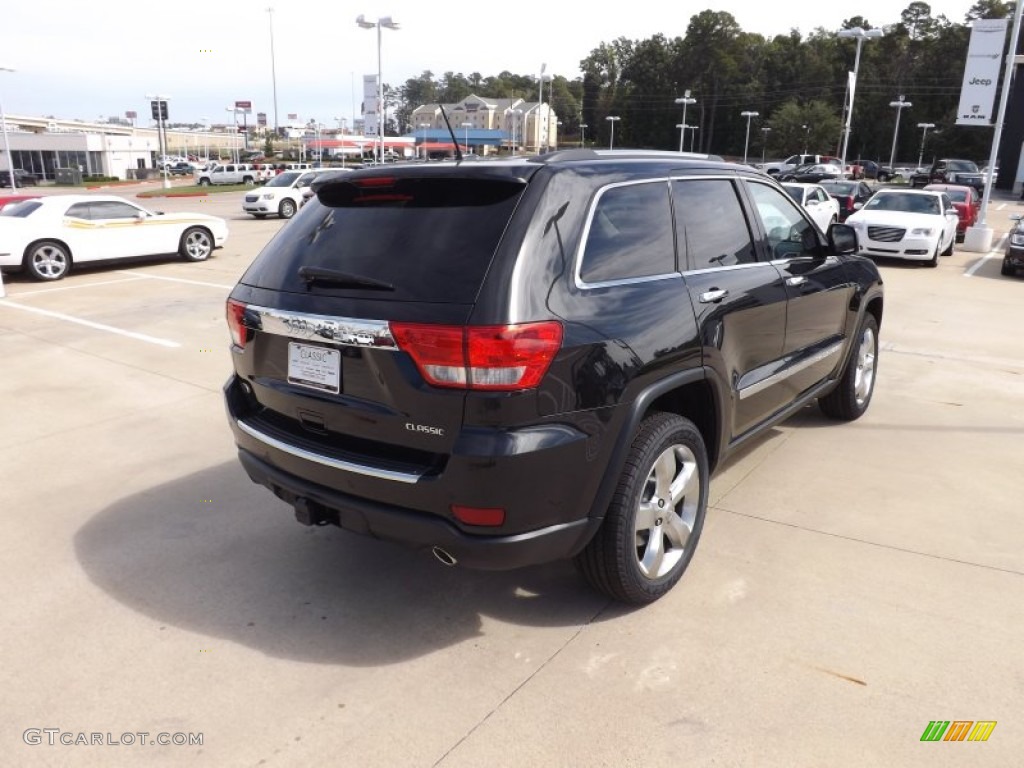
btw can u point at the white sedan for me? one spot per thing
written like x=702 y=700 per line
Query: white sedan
x=906 y=224
x=47 y=235
x=822 y=207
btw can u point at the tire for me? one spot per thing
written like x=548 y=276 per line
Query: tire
x=643 y=546
x=196 y=244
x=934 y=260
x=852 y=396
x=949 y=250
x=204 y=182
x=286 y=209
x=883 y=178
x=248 y=181
x=1006 y=269
x=47 y=260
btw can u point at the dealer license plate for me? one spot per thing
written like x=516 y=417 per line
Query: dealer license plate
x=314 y=367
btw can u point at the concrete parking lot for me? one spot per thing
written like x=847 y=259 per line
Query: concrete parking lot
x=853 y=583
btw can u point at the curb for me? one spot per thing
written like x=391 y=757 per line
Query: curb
x=172 y=194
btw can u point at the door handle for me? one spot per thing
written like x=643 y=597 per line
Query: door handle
x=714 y=295
x=793 y=282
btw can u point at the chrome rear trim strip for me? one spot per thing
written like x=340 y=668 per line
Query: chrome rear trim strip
x=340 y=331
x=327 y=461
x=775 y=378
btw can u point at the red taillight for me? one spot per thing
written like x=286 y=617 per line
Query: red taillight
x=496 y=357
x=849 y=203
x=235 y=314
x=491 y=516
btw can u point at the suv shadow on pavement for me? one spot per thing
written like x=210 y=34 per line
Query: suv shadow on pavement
x=210 y=553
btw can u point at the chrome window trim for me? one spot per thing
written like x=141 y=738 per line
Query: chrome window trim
x=582 y=284
x=340 y=331
x=730 y=268
x=327 y=461
x=775 y=378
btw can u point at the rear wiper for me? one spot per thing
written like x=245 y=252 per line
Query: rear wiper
x=342 y=279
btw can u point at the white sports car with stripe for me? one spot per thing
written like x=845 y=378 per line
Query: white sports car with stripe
x=47 y=235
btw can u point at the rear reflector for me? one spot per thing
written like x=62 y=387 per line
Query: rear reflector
x=235 y=314
x=490 y=357
x=490 y=516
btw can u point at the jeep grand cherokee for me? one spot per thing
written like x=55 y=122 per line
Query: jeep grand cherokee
x=519 y=361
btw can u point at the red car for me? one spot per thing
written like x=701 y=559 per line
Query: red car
x=966 y=201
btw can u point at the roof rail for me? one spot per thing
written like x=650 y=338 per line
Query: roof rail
x=569 y=155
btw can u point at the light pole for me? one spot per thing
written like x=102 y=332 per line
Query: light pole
x=899 y=105
x=613 y=119
x=7 y=141
x=860 y=35
x=466 y=127
x=746 y=143
x=273 y=67
x=234 y=139
x=693 y=135
x=807 y=136
x=161 y=132
x=517 y=122
x=206 y=123
x=423 y=147
x=685 y=101
x=764 y=142
x=583 y=135
x=389 y=23
x=924 y=135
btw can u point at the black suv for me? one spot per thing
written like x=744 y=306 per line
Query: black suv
x=963 y=172
x=519 y=361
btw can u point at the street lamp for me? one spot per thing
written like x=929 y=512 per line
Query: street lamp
x=693 y=135
x=162 y=133
x=583 y=135
x=466 y=127
x=517 y=121
x=764 y=141
x=234 y=139
x=899 y=105
x=924 y=135
x=423 y=144
x=388 y=23
x=613 y=119
x=807 y=136
x=860 y=35
x=686 y=100
x=7 y=142
x=207 y=127
x=746 y=143
x=273 y=66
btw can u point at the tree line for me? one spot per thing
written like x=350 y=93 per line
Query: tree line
x=797 y=85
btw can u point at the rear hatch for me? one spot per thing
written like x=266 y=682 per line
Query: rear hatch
x=333 y=304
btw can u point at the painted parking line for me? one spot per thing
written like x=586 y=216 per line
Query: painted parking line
x=72 y=287
x=91 y=324
x=995 y=252
x=1000 y=206
x=179 y=280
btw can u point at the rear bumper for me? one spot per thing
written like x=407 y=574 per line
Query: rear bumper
x=316 y=505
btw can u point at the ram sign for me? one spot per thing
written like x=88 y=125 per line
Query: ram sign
x=981 y=73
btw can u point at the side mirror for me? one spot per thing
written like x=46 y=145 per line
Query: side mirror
x=953 y=211
x=842 y=239
x=858 y=205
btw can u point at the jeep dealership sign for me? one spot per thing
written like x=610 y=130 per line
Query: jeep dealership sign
x=984 y=55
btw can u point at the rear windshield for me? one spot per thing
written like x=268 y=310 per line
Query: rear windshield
x=963 y=165
x=431 y=239
x=22 y=209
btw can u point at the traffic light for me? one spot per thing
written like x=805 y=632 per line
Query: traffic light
x=159 y=109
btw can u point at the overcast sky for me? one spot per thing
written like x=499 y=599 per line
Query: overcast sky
x=77 y=59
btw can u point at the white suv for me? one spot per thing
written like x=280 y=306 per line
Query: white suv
x=282 y=195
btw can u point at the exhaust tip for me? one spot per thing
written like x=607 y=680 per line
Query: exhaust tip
x=444 y=556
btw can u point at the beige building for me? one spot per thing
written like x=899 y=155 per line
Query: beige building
x=533 y=127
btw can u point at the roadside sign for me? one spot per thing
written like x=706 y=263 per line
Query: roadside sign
x=244 y=105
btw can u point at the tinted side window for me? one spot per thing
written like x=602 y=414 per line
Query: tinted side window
x=107 y=209
x=789 y=233
x=708 y=211
x=79 y=211
x=630 y=234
